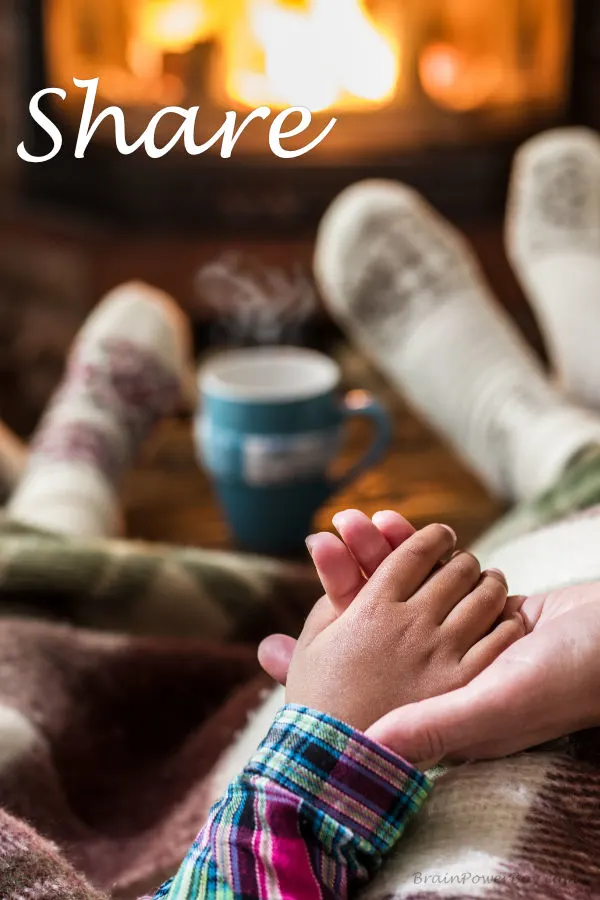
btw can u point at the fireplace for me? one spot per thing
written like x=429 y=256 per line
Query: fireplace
x=435 y=92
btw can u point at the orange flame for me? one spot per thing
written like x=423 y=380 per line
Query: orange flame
x=330 y=53
x=456 y=80
x=174 y=26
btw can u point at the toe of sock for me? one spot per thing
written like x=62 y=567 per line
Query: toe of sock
x=554 y=196
x=385 y=229
x=151 y=320
x=345 y=225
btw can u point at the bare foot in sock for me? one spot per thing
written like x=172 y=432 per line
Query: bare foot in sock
x=404 y=285
x=414 y=630
x=553 y=241
x=129 y=366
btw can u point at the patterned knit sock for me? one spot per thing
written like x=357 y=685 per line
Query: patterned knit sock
x=405 y=286
x=128 y=367
x=553 y=241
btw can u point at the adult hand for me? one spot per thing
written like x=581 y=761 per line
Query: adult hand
x=543 y=687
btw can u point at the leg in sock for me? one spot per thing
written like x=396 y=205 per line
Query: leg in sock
x=404 y=285
x=129 y=367
x=553 y=241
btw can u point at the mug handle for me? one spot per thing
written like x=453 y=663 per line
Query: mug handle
x=364 y=404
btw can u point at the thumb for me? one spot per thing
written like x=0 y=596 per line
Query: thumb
x=276 y=651
x=420 y=733
x=275 y=655
x=449 y=725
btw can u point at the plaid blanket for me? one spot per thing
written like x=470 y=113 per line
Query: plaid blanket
x=107 y=743
x=112 y=748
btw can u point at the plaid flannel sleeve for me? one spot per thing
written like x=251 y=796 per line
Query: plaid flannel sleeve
x=311 y=816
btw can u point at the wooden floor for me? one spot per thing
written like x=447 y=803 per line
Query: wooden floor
x=168 y=498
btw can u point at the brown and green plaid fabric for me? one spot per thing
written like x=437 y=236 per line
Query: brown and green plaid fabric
x=150 y=589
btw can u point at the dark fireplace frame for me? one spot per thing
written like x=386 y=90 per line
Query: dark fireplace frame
x=267 y=195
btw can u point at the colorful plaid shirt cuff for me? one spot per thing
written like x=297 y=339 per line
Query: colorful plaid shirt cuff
x=311 y=816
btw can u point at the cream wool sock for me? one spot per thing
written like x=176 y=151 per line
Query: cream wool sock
x=553 y=241
x=128 y=367
x=405 y=286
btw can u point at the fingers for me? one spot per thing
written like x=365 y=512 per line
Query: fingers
x=447 y=587
x=339 y=568
x=275 y=655
x=342 y=567
x=367 y=544
x=405 y=570
x=486 y=651
x=496 y=714
x=394 y=527
x=339 y=572
x=472 y=618
x=450 y=725
x=424 y=733
x=531 y=609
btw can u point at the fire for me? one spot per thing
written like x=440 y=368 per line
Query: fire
x=318 y=54
x=174 y=26
x=456 y=80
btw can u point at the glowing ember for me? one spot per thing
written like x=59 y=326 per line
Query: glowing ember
x=328 y=53
x=457 y=80
x=174 y=26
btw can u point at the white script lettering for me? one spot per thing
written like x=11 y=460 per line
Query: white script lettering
x=228 y=134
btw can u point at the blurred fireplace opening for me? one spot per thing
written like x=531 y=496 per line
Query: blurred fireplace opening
x=435 y=92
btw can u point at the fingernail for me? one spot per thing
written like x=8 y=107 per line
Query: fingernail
x=496 y=573
x=464 y=553
x=450 y=530
x=338 y=520
x=310 y=540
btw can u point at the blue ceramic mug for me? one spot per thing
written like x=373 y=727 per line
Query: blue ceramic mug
x=269 y=427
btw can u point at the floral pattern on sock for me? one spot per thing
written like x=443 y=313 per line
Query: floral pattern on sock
x=123 y=388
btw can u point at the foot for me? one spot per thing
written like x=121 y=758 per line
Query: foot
x=402 y=281
x=129 y=367
x=431 y=626
x=543 y=687
x=553 y=241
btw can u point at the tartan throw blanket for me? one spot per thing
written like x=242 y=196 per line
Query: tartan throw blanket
x=113 y=748
x=107 y=743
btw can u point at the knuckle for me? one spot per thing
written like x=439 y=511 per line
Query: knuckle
x=432 y=745
x=417 y=548
x=491 y=591
x=498 y=576
x=516 y=627
x=432 y=541
x=466 y=566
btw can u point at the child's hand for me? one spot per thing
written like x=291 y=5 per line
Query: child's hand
x=407 y=635
x=343 y=567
